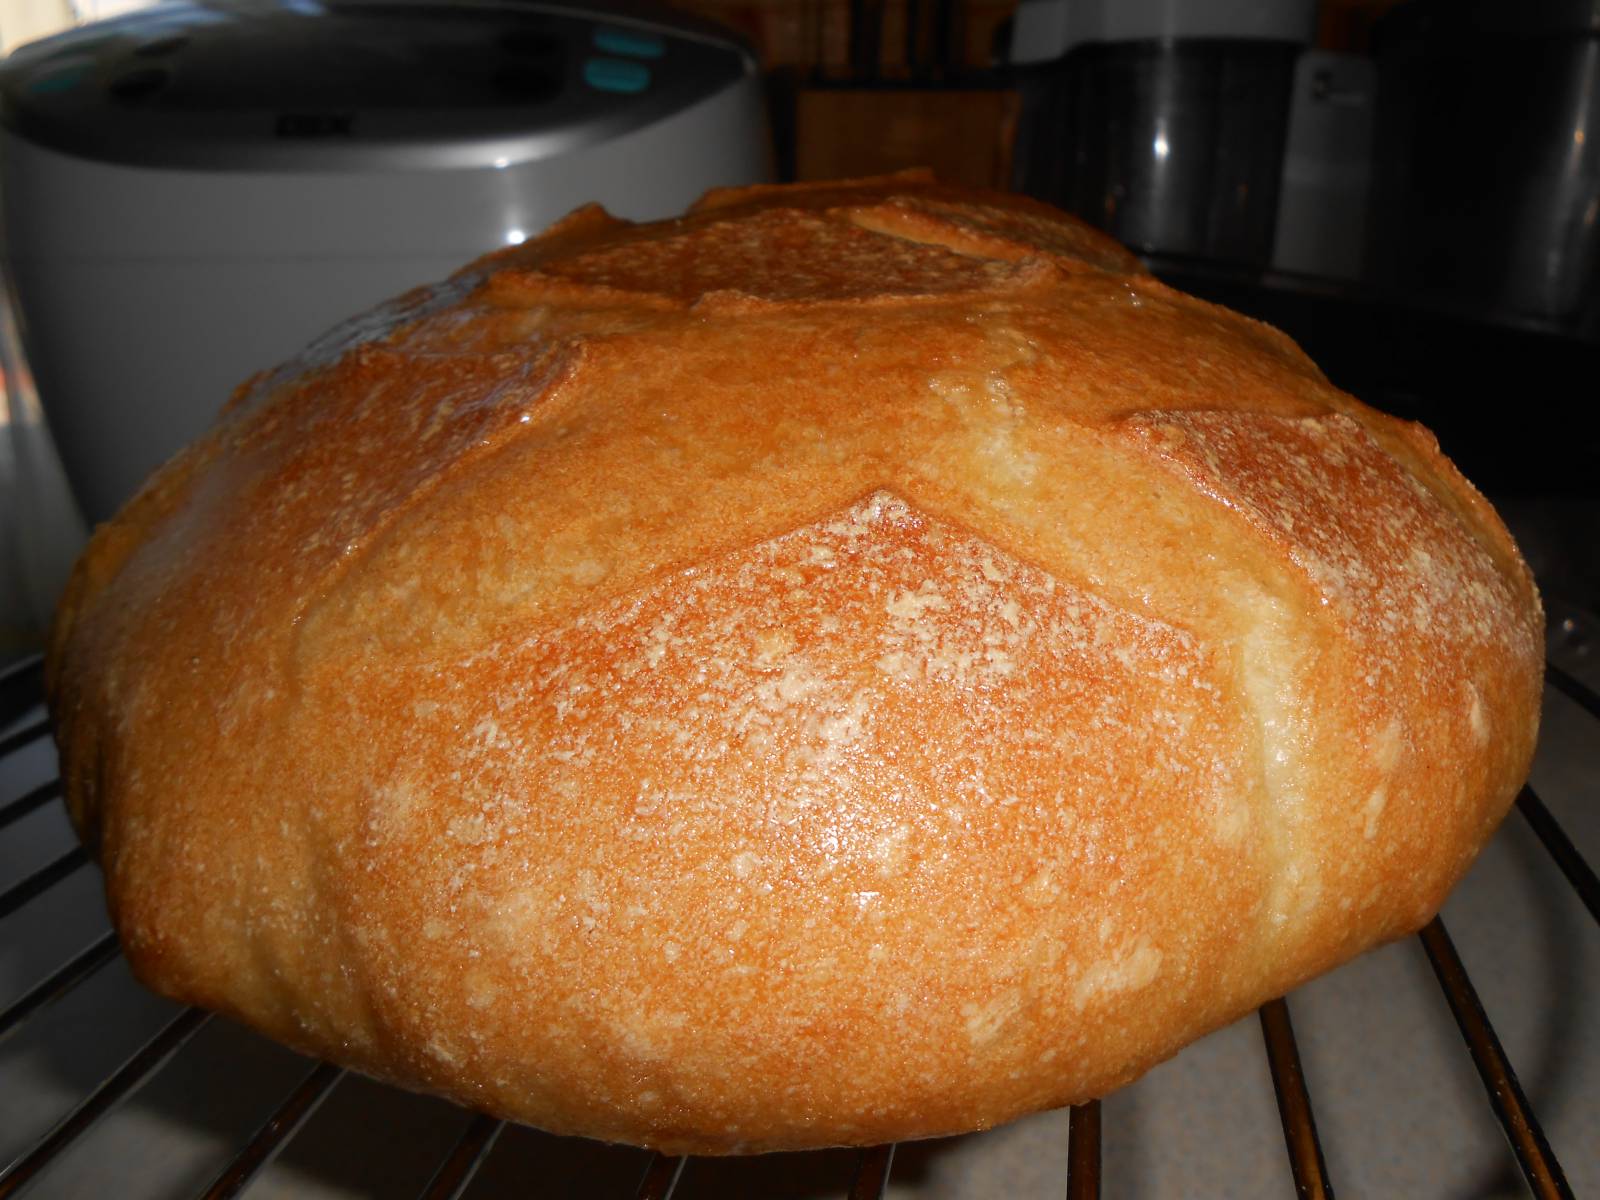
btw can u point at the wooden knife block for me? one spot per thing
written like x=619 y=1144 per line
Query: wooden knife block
x=963 y=134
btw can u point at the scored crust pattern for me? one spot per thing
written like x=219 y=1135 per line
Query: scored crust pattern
x=856 y=662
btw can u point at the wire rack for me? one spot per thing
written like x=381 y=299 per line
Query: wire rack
x=20 y=695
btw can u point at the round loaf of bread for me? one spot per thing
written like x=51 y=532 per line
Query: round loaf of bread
x=857 y=662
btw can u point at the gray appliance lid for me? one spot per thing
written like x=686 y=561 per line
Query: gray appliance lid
x=358 y=84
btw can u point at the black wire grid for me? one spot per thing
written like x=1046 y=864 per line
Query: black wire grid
x=20 y=691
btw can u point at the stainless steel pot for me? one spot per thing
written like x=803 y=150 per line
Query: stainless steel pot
x=1171 y=145
x=1487 y=175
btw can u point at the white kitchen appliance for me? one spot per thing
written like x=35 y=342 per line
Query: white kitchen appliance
x=193 y=192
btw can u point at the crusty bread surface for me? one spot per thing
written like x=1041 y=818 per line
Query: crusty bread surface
x=856 y=662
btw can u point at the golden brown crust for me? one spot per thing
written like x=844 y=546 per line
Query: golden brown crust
x=856 y=662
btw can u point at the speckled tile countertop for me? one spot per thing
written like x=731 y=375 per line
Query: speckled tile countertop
x=1399 y=1107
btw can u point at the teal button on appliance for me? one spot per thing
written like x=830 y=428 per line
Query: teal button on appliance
x=56 y=81
x=630 y=43
x=616 y=75
x=59 y=73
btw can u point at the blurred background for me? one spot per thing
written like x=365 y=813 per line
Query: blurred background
x=194 y=191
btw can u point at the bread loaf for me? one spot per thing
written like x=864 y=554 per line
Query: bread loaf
x=857 y=662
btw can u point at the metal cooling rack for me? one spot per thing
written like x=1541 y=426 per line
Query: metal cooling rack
x=20 y=695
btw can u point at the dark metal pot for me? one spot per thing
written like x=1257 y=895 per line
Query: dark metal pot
x=1487 y=175
x=1172 y=146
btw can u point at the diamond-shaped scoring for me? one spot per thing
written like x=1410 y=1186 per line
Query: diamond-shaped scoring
x=786 y=764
